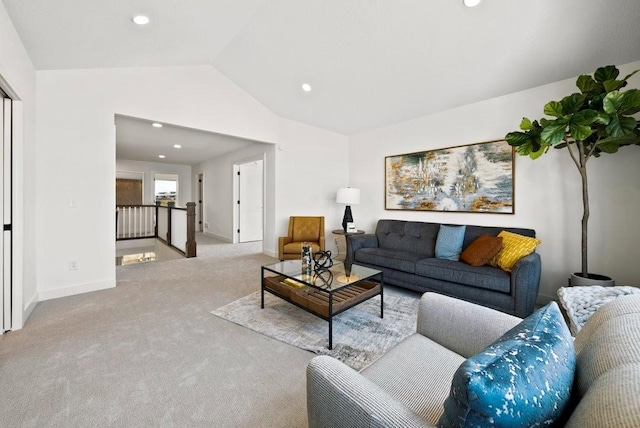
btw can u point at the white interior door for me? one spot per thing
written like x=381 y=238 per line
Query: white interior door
x=5 y=185
x=251 y=200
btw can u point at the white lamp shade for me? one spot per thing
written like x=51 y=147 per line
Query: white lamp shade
x=348 y=195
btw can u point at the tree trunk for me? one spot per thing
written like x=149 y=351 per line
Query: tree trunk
x=585 y=213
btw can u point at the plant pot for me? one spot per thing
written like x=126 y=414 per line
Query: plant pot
x=592 y=279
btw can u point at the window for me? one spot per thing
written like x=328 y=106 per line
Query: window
x=166 y=189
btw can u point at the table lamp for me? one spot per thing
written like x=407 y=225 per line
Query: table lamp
x=349 y=196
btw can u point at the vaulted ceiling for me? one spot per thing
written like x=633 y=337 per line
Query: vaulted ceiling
x=370 y=63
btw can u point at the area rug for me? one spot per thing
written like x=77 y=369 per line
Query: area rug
x=360 y=336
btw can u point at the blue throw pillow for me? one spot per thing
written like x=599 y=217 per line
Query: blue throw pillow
x=522 y=379
x=449 y=242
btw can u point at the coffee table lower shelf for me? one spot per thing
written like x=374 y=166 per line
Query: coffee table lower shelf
x=324 y=304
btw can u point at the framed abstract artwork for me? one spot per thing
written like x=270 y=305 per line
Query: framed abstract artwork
x=476 y=178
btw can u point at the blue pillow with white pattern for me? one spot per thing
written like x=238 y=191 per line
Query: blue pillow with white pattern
x=522 y=379
x=449 y=242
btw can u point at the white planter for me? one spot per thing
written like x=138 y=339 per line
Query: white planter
x=593 y=279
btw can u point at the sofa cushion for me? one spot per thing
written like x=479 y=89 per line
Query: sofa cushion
x=473 y=232
x=480 y=251
x=486 y=277
x=522 y=379
x=612 y=400
x=609 y=339
x=393 y=259
x=514 y=247
x=413 y=236
x=449 y=242
x=417 y=372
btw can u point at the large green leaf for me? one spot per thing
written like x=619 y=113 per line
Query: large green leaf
x=526 y=124
x=621 y=125
x=603 y=118
x=586 y=84
x=602 y=74
x=608 y=147
x=623 y=140
x=584 y=117
x=613 y=85
x=538 y=153
x=629 y=75
x=517 y=138
x=553 y=108
x=631 y=102
x=612 y=102
x=553 y=132
x=579 y=132
x=572 y=103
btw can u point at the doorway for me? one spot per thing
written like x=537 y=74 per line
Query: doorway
x=6 y=188
x=200 y=209
x=250 y=211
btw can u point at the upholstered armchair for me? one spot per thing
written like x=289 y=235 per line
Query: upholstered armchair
x=301 y=229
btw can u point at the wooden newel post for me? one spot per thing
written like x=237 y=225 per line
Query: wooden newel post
x=191 y=229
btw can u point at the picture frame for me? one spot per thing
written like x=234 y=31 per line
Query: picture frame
x=472 y=178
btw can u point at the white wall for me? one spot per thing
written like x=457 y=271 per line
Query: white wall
x=219 y=199
x=76 y=160
x=311 y=164
x=150 y=168
x=547 y=191
x=76 y=154
x=18 y=73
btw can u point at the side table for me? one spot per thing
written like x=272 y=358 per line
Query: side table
x=345 y=234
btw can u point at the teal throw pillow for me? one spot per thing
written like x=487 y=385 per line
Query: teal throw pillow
x=523 y=379
x=449 y=242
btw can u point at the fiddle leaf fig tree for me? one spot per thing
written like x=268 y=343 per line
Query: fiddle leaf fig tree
x=598 y=119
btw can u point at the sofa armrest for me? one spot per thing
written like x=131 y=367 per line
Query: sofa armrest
x=355 y=242
x=338 y=396
x=462 y=327
x=282 y=241
x=525 y=282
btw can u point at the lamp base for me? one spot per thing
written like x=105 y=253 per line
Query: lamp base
x=348 y=218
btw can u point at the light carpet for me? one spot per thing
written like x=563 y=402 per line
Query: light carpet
x=360 y=336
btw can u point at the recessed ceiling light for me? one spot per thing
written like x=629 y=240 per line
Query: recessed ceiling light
x=156 y=125
x=472 y=3
x=140 y=20
x=306 y=87
x=161 y=156
x=177 y=146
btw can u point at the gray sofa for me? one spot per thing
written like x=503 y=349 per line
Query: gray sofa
x=405 y=252
x=408 y=385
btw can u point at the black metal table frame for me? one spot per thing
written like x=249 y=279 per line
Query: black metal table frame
x=329 y=318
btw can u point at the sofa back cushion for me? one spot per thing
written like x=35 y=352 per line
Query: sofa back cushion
x=416 y=237
x=474 y=232
x=608 y=367
x=420 y=237
x=610 y=338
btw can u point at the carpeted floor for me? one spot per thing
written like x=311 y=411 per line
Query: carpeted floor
x=360 y=336
x=149 y=353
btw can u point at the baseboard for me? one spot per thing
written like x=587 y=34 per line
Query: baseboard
x=30 y=307
x=270 y=253
x=220 y=237
x=76 y=289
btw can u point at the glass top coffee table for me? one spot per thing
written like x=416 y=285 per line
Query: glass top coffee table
x=325 y=293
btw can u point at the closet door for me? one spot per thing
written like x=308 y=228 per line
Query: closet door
x=5 y=185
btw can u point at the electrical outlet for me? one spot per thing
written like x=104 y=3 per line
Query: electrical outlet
x=206 y=225
x=335 y=240
x=73 y=265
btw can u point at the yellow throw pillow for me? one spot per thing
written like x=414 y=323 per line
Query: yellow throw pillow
x=514 y=247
